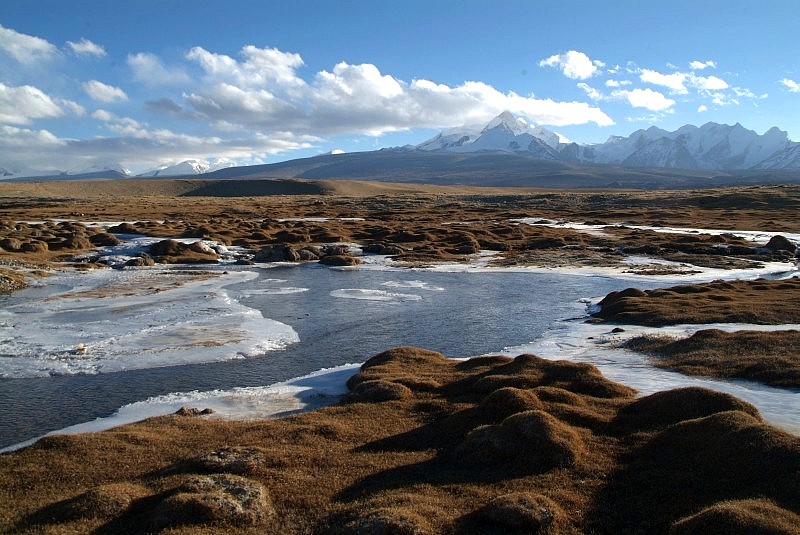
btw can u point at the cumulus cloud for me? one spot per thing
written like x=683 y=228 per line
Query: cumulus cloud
x=617 y=83
x=708 y=83
x=150 y=70
x=700 y=65
x=263 y=90
x=702 y=108
x=102 y=92
x=644 y=98
x=573 y=64
x=791 y=85
x=22 y=104
x=26 y=49
x=261 y=66
x=84 y=47
x=674 y=81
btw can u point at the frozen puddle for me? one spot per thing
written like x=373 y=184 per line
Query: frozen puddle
x=305 y=393
x=131 y=319
x=596 y=344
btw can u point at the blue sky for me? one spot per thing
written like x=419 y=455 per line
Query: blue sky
x=145 y=83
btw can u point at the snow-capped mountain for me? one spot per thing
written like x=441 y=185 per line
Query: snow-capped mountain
x=711 y=146
x=190 y=167
x=505 y=133
x=100 y=167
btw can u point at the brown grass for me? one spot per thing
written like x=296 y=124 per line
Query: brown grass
x=566 y=452
x=769 y=357
x=769 y=302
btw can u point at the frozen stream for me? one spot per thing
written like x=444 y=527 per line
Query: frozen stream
x=249 y=341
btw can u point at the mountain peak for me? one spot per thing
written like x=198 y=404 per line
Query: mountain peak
x=504 y=133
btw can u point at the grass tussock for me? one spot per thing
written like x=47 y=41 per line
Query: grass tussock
x=769 y=357
x=562 y=451
x=766 y=302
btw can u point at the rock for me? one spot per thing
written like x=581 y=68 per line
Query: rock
x=781 y=243
x=141 y=260
x=175 y=252
x=10 y=244
x=340 y=260
x=192 y=411
x=276 y=253
x=617 y=330
x=233 y=460
x=308 y=255
x=218 y=499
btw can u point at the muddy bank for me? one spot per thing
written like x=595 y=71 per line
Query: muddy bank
x=423 y=444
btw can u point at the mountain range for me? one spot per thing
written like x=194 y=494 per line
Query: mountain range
x=711 y=146
x=508 y=151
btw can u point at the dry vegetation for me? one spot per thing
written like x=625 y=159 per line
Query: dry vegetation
x=415 y=224
x=769 y=357
x=768 y=302
x=423 y=444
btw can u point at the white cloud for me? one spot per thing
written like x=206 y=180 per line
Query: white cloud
x=137 y=147
x=617 y=83
x=150 y=70
x=702 y=108
x=573 y=64
x=337 y=151
x=791 y=85
x=353 y=98
x=25 y=48
x=102 y=92
x=644 y=98
x=22 y=104
x=261 y=66
x=674 y=81
x=75 y=108
x=591 y=92
x=84 y=47
x=700 y=65
x=708 y=83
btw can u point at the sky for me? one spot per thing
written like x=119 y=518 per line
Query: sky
x=141 y=84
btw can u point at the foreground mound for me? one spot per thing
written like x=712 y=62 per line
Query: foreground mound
x=423 y=444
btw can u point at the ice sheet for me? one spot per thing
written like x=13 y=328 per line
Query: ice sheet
x=132 y=319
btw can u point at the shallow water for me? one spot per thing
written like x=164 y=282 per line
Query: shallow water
x=283 y=322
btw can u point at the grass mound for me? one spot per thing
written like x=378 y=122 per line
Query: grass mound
x=662 y=409
x=444 y=457
x=769 y=357
x=759 y=301
x=533 y=439
x=740 y=517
